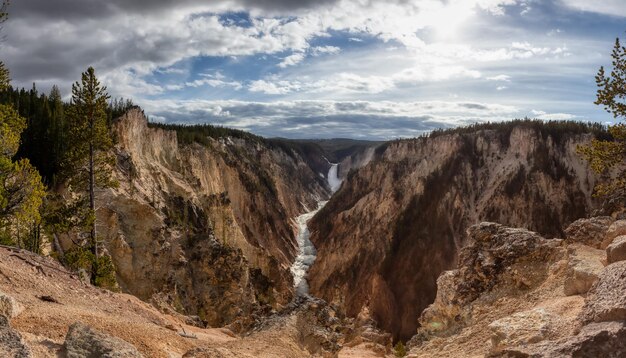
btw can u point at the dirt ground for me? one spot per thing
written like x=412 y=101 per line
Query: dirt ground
x=43 y=324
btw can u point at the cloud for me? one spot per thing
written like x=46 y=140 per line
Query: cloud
x=327 y=119
x=292 y=60
x=553 y=116
x=504 y=78
x=214 y=80
x=346 y=50
x=323 y=50
x=607 y=7
x=143 y=35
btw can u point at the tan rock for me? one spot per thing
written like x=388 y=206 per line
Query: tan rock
x=589 y=231
x=606 y=301
x=83 y=341
x=9 y=307
x=583 y=267
x=11 y=342
x=522 y=328
x=616 y=251
x=618 y=228
x=606 y=340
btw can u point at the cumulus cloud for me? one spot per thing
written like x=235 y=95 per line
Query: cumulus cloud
x=339 y=49
x=292 y=60
x=138 y=37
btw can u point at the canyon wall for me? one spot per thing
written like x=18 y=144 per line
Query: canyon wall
x=399 y=221
x=205 y=229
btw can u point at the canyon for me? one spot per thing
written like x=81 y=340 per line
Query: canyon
x=399 y=221
x=236 y=245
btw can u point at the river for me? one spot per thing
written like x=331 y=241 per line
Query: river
x=306 y=250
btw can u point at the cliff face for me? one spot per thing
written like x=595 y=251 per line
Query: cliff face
x=205 y=229
x=399 y=221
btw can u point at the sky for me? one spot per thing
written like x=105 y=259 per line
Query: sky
x=360 y=69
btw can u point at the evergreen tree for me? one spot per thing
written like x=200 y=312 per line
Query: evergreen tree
x=56 y=130
x=603 y=155
x=21 y=189
x=4 y=72
x=88 y=158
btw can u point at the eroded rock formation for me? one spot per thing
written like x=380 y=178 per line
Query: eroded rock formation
x=399 y=221
x=205 y=229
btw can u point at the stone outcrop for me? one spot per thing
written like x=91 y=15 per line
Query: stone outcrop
x=398 y=222
x=9 y=307
x=584 y=264
x=496 y=256
x=616 y=251
x=530 y=296
x=607 y=339
x=606 y=300
x=617 y=228
x=11 y=343
x=589 y=231
x=524 y=328
x=82 y=341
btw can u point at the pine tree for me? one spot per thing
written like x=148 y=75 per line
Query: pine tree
x=21 y=189
x=605 y=156
x=4 y=72
x=87 y=157
x=57 y=129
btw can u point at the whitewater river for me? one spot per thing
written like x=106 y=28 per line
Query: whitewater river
x=306 y=250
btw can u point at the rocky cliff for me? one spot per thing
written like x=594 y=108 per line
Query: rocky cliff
x=517 y=294
x=205 y=229
x=399 y=221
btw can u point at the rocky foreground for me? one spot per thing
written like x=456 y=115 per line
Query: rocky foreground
x=514 y=294
x=517 y=294
x=46 y=311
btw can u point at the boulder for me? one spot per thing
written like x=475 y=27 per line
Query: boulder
x=11 y=344
x=606 y=340
x=9 y=307
x=616 y=251
x=618 y=228
x=213 y=353
x=584 y=264
x=606 y=301
x=591 y=231
x=84 y=341
x=493 y=252
x=523 y=328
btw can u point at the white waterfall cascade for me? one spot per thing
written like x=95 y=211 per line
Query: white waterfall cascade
x=333 y=180
x=306 y=250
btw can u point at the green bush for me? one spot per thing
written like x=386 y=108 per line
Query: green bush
x=400 y=349
x=79 y=257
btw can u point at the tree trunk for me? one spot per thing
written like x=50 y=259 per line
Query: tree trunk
x=92 y=206
x=57 y=246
